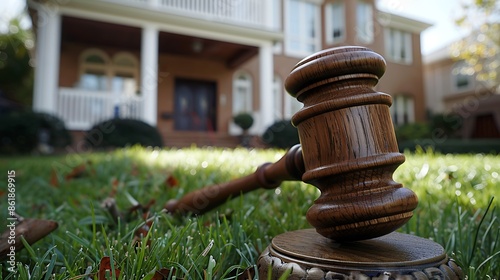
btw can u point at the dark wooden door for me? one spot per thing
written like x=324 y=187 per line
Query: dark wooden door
x=195 y=106
x=485 y=127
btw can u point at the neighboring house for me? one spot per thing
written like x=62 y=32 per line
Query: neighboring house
x=188 y=66
x=467 y=104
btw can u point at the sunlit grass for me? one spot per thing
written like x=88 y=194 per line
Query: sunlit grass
x=455 y=191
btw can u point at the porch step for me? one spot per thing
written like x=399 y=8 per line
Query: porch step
x=182 y=140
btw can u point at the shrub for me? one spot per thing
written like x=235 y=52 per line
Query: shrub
x=282 y=134
x=412 y=131
x=447 y=124
x=243 y=120
x=122 y=133
x=453 y=146
x=21 y=132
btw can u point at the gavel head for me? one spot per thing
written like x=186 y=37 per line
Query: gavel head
x=349 y=146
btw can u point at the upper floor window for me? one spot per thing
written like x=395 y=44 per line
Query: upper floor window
x=398 y=45
x=302 y=27
x=100 y=73
x=462 y=76
x=335 y=22
x=364 y=22
x=402 y=110
x=242 y=93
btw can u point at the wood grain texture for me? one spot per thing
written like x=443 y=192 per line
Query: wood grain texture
x=393 y=256
x=349 y=146
x=268 y=176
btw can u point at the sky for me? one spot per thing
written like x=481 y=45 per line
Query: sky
x=439 y=13
x=8 y=10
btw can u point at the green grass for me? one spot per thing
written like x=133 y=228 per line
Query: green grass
x=456 y=209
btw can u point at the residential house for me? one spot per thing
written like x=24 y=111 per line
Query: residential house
x=188 y=66
x=468 y=105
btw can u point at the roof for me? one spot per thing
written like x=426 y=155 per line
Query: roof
x=402 y=22
x=441 y=54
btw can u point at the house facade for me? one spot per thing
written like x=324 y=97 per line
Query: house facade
x=468 y=105
x=188 y=66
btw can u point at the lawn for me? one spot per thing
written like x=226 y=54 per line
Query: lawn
x=457 y=209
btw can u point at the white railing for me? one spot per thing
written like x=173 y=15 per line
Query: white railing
x=81 y=109
x=256 y=13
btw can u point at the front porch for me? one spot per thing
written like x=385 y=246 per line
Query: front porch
x=152 y=57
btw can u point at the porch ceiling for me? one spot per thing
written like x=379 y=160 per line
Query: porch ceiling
x=98 y=33
x=232 y=54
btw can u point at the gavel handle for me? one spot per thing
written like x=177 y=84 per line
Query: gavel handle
x=268 y=176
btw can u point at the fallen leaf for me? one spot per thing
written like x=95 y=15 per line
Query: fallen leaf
x=54 y=180
x=142 y=208
x=148 y=205
x=31 y=229
x=77 y=172
x=162 y=274
x=171 y=181
x=105 y=265
x=114 y=187
x=142 y=231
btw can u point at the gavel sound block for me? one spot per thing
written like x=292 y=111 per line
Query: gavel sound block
x=348 y=151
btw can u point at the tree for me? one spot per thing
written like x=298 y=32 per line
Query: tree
x=16 y=72
x=481 y=49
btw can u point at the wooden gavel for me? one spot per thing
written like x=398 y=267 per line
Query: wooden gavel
x=348 y=150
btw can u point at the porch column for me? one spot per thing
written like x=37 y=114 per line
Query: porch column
x=47 y=60
x=149 y=73
x=266 y=85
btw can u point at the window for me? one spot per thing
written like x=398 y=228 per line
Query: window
x=462 y=76
x=335 y=22
x=93 y=80
x=402 y=110
x=302 y=27
x=242 y=93
x=94 y=65
x=364 y=22
x=100 y=73
x=125 y=74
x=398 y=45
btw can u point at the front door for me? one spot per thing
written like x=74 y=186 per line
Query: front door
x=195 y=106
x=485 y=127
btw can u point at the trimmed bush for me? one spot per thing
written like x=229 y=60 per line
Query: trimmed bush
x=448 y=125
x=21 y=132
x=243 y=120
x=123 y=132
x=412 y=131
x=282 y=134
x=453 y=146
